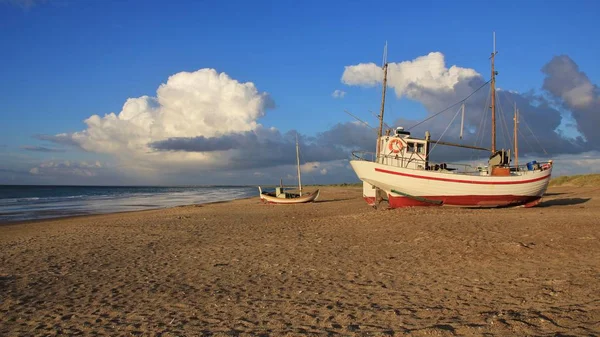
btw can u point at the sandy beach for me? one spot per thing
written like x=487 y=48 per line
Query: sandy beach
x=333 y=268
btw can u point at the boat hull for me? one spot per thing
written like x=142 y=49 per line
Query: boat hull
x=409 y=187
x=285 y=201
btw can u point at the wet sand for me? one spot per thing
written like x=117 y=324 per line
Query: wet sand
x=333 y=268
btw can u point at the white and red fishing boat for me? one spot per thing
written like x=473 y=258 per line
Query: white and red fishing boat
x=284 y=197
x=401 y=171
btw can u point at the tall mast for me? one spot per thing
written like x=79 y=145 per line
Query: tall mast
x=515 y=136
x=493 y=94
x=298 y=164
x=385 y=67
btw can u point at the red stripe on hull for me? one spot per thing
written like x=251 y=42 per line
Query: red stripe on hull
x=464 y=181
x=467 y=200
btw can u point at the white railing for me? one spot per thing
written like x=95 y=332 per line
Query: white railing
x=419 y=164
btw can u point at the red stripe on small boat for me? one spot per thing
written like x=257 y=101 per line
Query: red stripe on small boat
x=464 y=181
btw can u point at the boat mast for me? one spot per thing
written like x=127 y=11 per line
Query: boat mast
x=385 y=67
x=298 y=164
x=493 y=94
x=516 y=118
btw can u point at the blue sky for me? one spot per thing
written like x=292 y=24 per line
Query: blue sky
x=64 y=61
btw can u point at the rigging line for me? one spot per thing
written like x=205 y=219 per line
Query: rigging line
x=504 y=118
x=360 y=120
x=526 y=141
x=505 y=133
x=527 y=125
x=305 y=162
x=534 y=136
x=450 y=107
x=377 y=116
x=456 y=114
x=482 y=123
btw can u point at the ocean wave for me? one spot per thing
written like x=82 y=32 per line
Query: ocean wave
x=65 y=201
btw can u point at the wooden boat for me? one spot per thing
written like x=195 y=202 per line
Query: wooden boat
x=280 y=196
x=402 y=172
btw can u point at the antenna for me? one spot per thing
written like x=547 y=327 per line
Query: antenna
x=494 y=34
x=384 y=55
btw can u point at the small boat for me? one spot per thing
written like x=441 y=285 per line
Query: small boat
x=280 y=196
x=402 y=172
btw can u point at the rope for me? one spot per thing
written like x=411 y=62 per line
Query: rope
x=479 y=134
x=434 y=145
x=314 y=181
x=449 y=107
x=536 y=138
x=525 y=138
x=505 y=133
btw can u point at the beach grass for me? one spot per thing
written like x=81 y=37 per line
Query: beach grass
x=581 y=180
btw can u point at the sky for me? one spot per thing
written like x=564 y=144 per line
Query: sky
x=215 y=92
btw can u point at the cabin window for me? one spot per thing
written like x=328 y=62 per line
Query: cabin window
x=421 y=148
x=410 y=147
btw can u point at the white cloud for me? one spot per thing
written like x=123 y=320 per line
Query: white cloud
x=338 y=94
x=427 y=72
x=310 y=167
x=190 y=104
x=580 y=96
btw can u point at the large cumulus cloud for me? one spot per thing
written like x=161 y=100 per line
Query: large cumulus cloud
x=202 y=103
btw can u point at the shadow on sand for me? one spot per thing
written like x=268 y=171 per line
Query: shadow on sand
x=563 y=202
x=553 y=194
x=332 y=200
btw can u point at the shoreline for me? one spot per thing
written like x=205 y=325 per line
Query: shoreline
x=91 y=214
x=17 y=222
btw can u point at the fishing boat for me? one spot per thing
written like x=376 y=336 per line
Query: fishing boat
x=281 y=196
x=402 y=173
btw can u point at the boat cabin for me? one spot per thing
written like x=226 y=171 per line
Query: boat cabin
x=402 y=150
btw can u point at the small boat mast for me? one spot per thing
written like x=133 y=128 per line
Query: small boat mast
x=298 y=164
x=516 y=138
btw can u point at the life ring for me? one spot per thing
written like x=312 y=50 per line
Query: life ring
x=395 y=145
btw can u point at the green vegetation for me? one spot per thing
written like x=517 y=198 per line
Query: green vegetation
x=577 y=180
x=358 y=184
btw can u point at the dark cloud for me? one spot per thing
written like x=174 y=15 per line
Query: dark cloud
x=260 y=148
x=351 y=136
x=577 y=94
x=200 y=144
x=63 y=139
x=3 y=170
x=40 y=149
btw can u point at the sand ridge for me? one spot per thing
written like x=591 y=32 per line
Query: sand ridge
x=332 y=268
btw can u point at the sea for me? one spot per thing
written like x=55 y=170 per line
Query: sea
x=28 y=202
